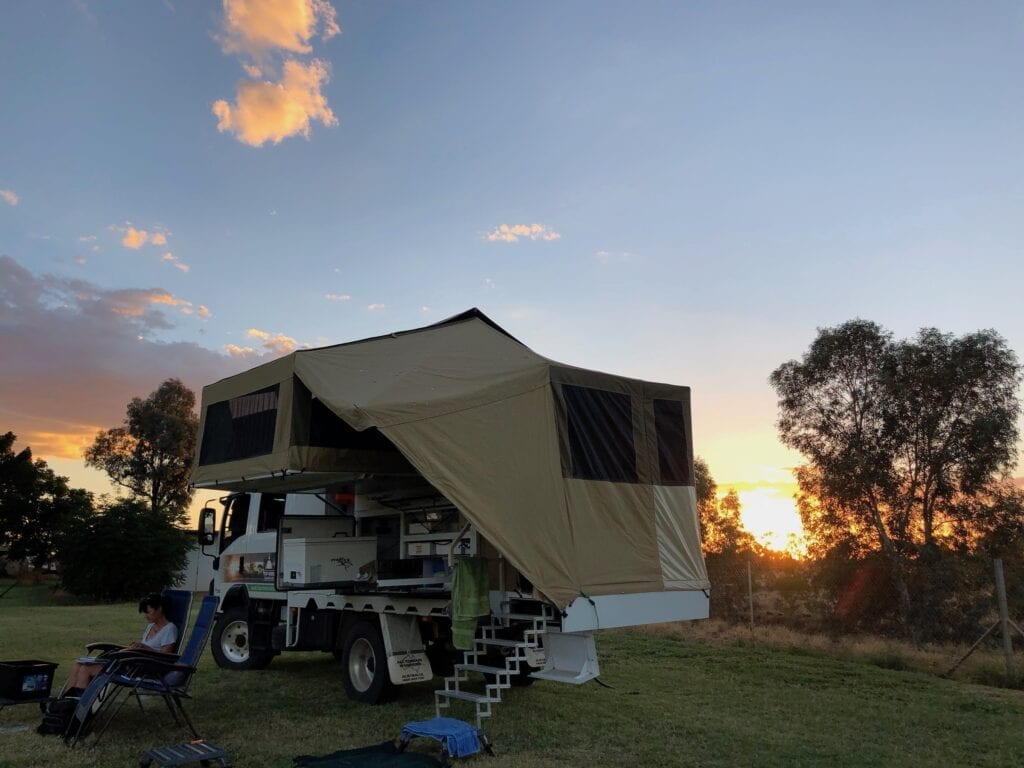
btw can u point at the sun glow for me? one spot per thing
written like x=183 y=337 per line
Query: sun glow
x=769 y=513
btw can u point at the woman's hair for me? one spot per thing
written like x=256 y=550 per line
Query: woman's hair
x=155 y=600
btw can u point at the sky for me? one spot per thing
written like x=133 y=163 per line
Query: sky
x=679 y=192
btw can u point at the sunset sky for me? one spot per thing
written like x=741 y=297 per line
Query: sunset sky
x=673 y=191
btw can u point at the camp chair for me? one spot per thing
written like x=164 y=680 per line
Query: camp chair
x=143 y=674
x=181 y=606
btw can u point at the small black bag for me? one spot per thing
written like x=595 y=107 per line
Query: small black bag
x=57 y=717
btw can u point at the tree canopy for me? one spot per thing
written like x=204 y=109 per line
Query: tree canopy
x=36 y=505
x=901 y=438
x=151 y=454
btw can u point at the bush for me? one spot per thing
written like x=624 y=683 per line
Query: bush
x=123 y=551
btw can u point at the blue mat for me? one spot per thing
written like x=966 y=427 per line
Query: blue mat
x=459 y=739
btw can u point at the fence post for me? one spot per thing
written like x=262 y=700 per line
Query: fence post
x=750 y=594
x=1004 y=617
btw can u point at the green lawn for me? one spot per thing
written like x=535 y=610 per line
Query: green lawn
x=673 y=702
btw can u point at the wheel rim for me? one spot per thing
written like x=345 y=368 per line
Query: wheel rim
x=362 y=665
x=234 y=642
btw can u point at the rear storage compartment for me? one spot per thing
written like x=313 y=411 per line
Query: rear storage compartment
x=26 y=679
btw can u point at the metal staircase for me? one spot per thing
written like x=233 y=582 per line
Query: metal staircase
x=496 y=679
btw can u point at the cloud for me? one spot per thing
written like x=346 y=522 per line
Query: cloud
x=158 y=239
x=236 y=351
x=275 y=343
x=73 y=356
x=80 y=261
x=86 y=238
x=374 y=307
x=203 y=311
x=8 y=196
x=337 y=296
x=182 y=266
x=134 y=238
x=266 y=111
x=255 y=27
x=510 y=233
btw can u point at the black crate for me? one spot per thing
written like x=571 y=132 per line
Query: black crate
x=26 y=680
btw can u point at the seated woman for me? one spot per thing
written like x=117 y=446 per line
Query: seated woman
x=159 y=636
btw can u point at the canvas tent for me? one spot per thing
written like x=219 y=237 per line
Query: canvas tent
x=582 y=480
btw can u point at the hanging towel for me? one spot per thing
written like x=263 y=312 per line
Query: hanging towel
x=469 y=599
x=460 y=739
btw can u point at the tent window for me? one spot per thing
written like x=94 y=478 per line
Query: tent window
x=327 y=430
x=240 y=427
x=600 y=426
x=670 y=426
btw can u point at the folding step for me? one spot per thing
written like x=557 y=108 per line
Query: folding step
x=476 y=698
x=487 y=670
x=527 y=617
x=500 y=643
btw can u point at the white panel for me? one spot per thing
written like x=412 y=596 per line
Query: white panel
x=608 y=611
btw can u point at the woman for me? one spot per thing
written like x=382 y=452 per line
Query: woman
x=159 y=636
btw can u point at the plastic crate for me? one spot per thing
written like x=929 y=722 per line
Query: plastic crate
x=26 y=680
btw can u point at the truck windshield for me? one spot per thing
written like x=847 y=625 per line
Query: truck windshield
x=236 y=518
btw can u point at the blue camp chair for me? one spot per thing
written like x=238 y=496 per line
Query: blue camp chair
x=142 y=674
x=181 y=606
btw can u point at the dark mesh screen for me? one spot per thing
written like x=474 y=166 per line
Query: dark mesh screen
x=671 y=430
x=241 y=427
x=327 y=430
x=600 y=435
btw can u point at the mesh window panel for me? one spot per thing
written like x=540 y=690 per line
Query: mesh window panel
x=670 y=427
x=240 y=427
x=600 y=428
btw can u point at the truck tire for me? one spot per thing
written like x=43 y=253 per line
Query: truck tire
x=230 y=642
x=364 y=664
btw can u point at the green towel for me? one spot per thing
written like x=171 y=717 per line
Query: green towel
x=469 y=599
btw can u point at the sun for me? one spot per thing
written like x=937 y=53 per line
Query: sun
x=770 y=515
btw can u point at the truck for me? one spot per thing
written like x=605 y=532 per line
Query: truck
x=444 y=502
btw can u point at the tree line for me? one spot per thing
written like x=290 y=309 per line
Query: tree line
x=108 y=549
x=904 y=492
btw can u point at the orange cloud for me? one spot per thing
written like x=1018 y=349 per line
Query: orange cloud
x=276 y=343
x=236 y=351
x=272 y=112
x=510 y=233
x=158 y=239
x=9 y=196
x=61 y=445
x=134 y=238
x=257 y=26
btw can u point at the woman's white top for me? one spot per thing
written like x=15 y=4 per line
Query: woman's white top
x=166 y=635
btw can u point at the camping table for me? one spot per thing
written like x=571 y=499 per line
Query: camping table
x=201 y=752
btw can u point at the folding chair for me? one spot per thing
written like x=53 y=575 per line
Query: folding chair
x=181 y=606
x=143 y=674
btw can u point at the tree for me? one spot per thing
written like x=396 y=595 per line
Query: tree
x=151 y=455
x=123 y=551
x=35 y=504
x=897 y=435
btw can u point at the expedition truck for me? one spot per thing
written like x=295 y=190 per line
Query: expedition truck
x=362 y=483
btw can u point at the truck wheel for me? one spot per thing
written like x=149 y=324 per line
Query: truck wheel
x=230 y=642
x=364 y=664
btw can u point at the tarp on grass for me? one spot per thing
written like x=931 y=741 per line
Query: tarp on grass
x=582 y=480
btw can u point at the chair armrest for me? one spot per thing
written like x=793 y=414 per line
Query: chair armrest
x=102 y=648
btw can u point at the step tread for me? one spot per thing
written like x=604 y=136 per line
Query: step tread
x=527 y=617
x=502 y=643
x=478 y=698
x=486 y=669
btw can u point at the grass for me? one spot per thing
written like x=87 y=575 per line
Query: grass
x=678 y=697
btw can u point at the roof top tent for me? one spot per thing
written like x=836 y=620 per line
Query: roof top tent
x=582 y=480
